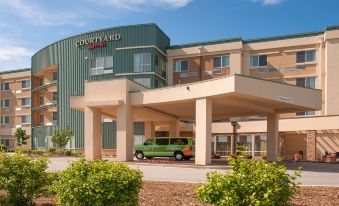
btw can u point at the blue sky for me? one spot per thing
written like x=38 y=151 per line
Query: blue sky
x=28 y=25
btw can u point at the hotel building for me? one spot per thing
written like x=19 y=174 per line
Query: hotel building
x=114 y=84
x=15 y=103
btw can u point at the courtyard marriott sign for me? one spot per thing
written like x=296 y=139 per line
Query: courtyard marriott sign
x=98 y=42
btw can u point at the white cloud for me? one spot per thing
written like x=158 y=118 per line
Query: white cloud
x=139 y=5
x=38 y=15
x=269 y=2
x=13 y=56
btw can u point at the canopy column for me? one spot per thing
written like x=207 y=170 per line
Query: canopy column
x=93 y=134
x=203 y=134
x=272 y=137
x=124 y=133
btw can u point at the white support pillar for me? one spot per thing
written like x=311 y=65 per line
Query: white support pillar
x=125 y=139
x=93 y=143
x=203 y=135
x=174 y=128
x=272 y=137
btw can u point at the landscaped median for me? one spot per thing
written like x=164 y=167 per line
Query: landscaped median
x=24 y=181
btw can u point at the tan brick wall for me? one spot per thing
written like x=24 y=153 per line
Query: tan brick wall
x=311 y=139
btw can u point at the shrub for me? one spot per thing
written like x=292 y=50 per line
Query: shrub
x=62 y=137
x=22 y=178
x=250 y=182
x=51 y=150
x=98 y=183
x=68 y=153
x=3 y=148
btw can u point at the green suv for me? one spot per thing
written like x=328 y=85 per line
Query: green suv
x=181 y=148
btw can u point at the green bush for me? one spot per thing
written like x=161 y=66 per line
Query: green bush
x=3 y=148
x=51 y=150
x=250 y=182
x=98 y=183
x=22 y=178
x=68 y=153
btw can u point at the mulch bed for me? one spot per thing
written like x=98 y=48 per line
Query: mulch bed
x=170 y=193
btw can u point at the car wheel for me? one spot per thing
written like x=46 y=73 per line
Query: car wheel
x=187 y=158
x=179 y=156
x=139 y=155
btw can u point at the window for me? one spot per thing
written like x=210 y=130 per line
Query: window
x=156 y=60
x=101 y=65
x=4 y=103
x=310 y=113
x=162 y=141
x=144 y=81
x=305 y=56
x=5 y=86
x=221 y=61
x=55 y=76
x=26 y=101
x=26 y=119
x=55 y=96
x=181 y=65
x=25 y=84
x=244 y=142
x=4 y=142
x=41 y=99
x=55 y=116
x=4 y=119
x=142 y=62
x=179 y=141
x=308 y=82
x=260 y=145
x=258 y=61
x=41 y=81
x=41 y=118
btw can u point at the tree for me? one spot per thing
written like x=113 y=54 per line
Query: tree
x=21 y=137
x=62 y=137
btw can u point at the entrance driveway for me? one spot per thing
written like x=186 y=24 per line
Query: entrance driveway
x=318 y=174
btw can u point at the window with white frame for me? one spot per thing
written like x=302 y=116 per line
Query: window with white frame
x=41 y=99
x=5 y=86
x=55 y=97
x=143 y=81
x=221 y=61
x=305 y=56
x=4 y=120
x=4 y=103
x=41 y=81
x=142 y=62
x=55 y=76
x=307 y=82
x=25 y=101
x=181 y=65
x=25 y=84
x=55 y=116
x=26 y=119
x=101 y=65
x=41 y=118
x=258 y=61
x=5 y=142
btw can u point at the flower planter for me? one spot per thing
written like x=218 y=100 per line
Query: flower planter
x=297 y=157
x=330 y=159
